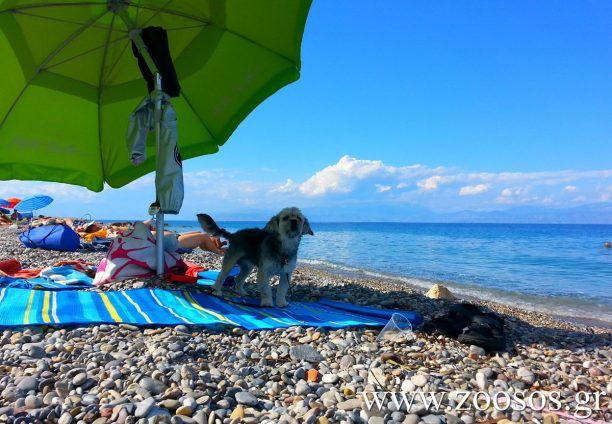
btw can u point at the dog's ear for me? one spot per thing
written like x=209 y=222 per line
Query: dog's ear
x=273 y=224
x=306 y=228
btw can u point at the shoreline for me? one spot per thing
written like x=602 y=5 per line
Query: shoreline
x=455 y=288
x=564 y=303
x=126 y=374
x=385 y=286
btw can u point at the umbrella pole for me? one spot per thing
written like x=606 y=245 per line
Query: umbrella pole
x=120 y=9
x=159 y=242
x=159 y=217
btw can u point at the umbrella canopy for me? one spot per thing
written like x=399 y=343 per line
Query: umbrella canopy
x=4 y=203
x=12 y=201
x=33 y=203
x=70 y=81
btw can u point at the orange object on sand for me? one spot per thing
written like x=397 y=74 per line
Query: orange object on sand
x=187 y=273
x=179 y=278
x=102 y=233
x=12 y=268
x=312 y=375
x=192 y=269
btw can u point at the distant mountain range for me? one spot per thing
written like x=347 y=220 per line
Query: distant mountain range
x=597 y=213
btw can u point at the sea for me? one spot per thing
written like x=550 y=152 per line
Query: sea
x=559 y=269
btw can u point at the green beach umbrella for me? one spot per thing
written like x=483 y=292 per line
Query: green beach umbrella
x=69 y=80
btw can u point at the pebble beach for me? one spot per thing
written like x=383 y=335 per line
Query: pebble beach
x=125 y=374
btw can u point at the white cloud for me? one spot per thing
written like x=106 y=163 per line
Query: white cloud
x=518 y=195
x=23 y=189
x=287 y=187
x=356 y=177
x=440 y=187
x=512 y=192
x=431 y=183
x=346 y=175
x=348 y=181
x=472 y=190
x=341 y=177
x=442 y=176
x=547 y=200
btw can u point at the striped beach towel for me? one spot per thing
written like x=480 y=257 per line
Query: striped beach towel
x=145 y=307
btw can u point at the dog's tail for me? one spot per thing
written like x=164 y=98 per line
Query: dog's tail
x=210 y=226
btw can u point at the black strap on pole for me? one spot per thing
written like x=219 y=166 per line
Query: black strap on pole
x=156 y=40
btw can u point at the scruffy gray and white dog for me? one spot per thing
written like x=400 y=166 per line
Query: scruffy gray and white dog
x=273 y=250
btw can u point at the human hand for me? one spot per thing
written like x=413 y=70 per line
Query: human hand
x=214 y=244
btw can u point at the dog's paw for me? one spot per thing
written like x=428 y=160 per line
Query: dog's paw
x=266 y=303
x=241 y=292
x=282 y=303
x=218 y=292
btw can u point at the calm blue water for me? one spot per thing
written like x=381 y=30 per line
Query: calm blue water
x=561 y=269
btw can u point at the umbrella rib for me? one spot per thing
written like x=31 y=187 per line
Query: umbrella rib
x=170 y=12
x=198 y=115
x=186 y=27
x=116 y=62
x=137 y=6
x=49 y=18
x=47 y=59
x=69 y=40
x=45 y=5
x=112 y=68
x=100 y=87
x=245 y=38
x=116 y=40
x=195 y=18
x=104 y=56
x=137 y=11
x=157 y=11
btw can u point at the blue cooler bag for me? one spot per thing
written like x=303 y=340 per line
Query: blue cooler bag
x=51 y=237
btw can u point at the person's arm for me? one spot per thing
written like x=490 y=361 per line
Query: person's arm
x=203 y=241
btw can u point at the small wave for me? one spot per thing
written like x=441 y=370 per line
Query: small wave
x=560 y=306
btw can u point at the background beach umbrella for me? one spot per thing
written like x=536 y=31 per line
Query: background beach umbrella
x=4 y=203
x=12 y=201
x=33 y=203
x=70 y=81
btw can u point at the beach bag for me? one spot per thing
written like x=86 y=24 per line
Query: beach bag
x=132 y=255
x=51 y=237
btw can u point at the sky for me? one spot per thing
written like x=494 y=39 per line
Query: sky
x=446 y=105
